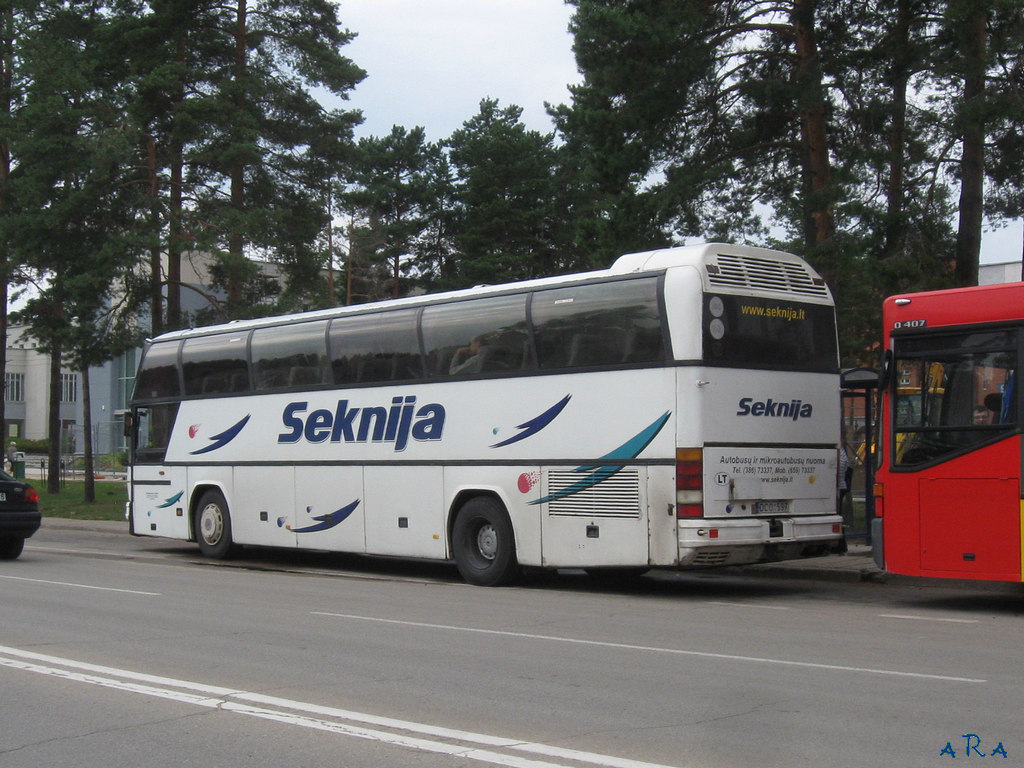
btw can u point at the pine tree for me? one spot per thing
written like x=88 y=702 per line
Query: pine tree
x=72 y=203
x=268 y=144
x=504 y=187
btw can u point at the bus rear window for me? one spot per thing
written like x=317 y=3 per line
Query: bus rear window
x=744 y=331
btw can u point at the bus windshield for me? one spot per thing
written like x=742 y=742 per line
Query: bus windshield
x=962 y=387
x=745 y=331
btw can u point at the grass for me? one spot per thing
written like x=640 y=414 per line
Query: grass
x=71 y=503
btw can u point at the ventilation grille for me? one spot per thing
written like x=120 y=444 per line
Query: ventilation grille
x=616 y=497
x=764 y=274
x=711 y=558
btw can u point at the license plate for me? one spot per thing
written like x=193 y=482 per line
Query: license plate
x=771 y=508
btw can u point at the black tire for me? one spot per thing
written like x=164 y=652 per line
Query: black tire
x=212 y=526
x=483 y=543
x=11 y=548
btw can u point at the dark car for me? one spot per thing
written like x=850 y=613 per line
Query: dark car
x=19 y=515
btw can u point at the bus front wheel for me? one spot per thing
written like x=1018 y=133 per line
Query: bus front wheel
x=213 y=526
x=483 y=543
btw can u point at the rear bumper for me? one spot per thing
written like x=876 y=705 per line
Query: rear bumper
x=20 y=525
x=712 y=542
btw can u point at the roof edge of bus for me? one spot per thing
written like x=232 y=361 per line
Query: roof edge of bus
x=941 y=292
x=660 y=258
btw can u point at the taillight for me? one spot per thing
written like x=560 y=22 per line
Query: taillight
x=32 y=495
x=877 y=492
x=689 y=482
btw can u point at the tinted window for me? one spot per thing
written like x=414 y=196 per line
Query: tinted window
x=375 y=348
x=953 y=392
x=290 y=356
x=769 y=333
x=482 y=336
x=153 y=428
x=215 y=365
x=158 y=374
x=611 y=323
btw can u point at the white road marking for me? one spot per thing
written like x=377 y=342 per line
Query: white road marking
x=401 y=733
x=909 y=617
x=82 y=586
x=735 y=604
x=656 y=649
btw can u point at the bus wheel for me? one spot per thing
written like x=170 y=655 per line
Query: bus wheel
x=483 y=543
x=213 y=526
x=11 y=548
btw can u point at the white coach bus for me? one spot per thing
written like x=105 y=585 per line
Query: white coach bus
x=679 y=409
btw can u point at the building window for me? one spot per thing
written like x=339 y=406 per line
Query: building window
x=69 y=387
x=14 y=387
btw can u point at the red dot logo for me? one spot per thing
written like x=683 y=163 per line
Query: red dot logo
x=527 y=480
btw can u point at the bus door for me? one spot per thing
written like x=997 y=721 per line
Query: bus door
x=954 y=483
x=159 y=499
x=971 y=524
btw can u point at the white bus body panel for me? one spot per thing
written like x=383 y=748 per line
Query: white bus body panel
x=159 y=501
x=405 y=511
x=401 y=495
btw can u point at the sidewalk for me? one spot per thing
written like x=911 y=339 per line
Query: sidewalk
x=854 y=566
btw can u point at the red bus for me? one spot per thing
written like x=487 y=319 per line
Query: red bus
x=948 y=495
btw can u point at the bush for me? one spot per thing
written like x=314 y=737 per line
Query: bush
x=29 y=446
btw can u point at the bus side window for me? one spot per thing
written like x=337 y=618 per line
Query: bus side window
x=602 y=324
x=158 y=374
x=216 y=364
x=480 y=336
x=290 y=356
x=153 y=432
x=373 y=348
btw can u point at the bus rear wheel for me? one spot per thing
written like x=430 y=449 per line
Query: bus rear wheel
x=213 y=526
x=483 y=543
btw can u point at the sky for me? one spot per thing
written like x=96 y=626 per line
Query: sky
x=429 y=63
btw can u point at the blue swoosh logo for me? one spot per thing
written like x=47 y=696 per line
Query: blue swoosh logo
x=225 y=437
x=171 y=501
x=601 y=472
x=535 y=425
x=325 y=522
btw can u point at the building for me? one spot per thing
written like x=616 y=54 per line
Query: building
x=26 y=401
x=28 y=377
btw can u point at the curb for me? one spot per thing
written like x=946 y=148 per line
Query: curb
x=847 y=575
x=96 y=526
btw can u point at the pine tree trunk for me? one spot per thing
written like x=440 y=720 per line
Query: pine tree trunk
x=813 y=130
x=54 y=453
x=899 y=78
x=87 y=447
x=972 y=160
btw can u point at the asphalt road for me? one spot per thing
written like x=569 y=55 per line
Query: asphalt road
x=136 y=652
